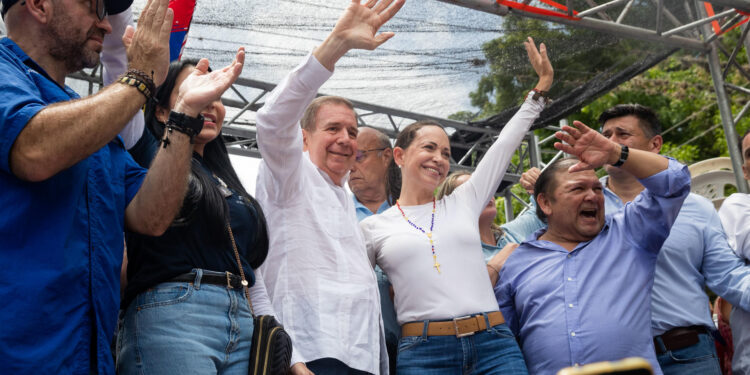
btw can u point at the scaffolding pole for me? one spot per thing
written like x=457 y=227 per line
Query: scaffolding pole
x=725 y=108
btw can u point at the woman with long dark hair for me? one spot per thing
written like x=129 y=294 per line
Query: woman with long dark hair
x=184 y=305
x=430 y=249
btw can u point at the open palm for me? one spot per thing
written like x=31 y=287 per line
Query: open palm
x=360 y=23
x=589 y=146
x=202 y=87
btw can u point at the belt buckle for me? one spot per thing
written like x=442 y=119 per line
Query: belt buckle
x=455 y=326
x=229 y=280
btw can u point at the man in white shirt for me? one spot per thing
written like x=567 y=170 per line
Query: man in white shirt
x=735 y=216
x=317 y=274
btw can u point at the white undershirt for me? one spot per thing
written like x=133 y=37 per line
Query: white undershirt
x=404 y=253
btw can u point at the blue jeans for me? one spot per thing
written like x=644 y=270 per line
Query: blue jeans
x=493 y=351
x=698 y=359
x=186 y=328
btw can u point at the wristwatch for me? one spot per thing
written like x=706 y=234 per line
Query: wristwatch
x=623 y=156
x=191 y=126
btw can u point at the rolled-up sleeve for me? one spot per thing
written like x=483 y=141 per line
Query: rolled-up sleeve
x=21 y=102
x=649 y=218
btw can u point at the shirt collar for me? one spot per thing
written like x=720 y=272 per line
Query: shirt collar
x=16 y=50
x=326 y=176
x=359 y=206
x=547 y=245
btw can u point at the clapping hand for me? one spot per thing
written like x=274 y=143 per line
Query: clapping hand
x=541 y=64
x=201 y=88
x=357 y=29
x=589 y=146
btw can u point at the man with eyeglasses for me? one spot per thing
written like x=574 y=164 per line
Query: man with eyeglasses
x=367 y=182
x=68 y=188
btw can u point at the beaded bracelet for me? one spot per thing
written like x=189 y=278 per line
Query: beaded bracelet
x=540 y=94
x=142 y=87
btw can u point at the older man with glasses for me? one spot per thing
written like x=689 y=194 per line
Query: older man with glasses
x=367 y=182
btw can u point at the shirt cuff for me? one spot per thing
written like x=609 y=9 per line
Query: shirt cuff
x=311 y=73
x=669 y=182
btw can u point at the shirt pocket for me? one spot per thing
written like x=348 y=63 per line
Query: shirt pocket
x=329 y=212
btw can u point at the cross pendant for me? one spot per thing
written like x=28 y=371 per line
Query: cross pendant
x=437 y=266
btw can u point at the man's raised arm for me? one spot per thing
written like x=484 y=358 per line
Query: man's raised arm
x=594 y=150
x=65 y=133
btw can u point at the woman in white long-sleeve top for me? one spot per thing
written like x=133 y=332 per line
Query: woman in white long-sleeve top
x=432 y=254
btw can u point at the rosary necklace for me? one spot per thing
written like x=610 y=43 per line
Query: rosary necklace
x=428 y=234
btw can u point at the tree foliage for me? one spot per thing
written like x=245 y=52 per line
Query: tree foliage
x=680 y=89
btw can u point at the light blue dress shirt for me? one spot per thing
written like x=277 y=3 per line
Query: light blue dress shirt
x=593 y=303
x=695 y=255
x=390 y=324
x=515 y=231
x=363 y=212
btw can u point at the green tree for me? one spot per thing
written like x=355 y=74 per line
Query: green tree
x=679 y=89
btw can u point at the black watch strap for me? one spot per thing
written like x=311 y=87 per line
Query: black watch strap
x=191 y=126
x=623 y=156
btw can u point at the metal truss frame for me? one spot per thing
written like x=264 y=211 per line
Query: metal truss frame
x=695 y=35
x=240 y=133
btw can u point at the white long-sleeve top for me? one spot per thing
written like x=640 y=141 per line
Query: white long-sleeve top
x=317 y=275
x=404 y=253
x=115 y=62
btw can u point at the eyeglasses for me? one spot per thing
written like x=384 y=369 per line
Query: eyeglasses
x=101 y=9
x=361 y=154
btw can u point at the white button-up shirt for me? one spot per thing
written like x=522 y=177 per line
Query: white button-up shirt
x=317 y=273
x=735 y=216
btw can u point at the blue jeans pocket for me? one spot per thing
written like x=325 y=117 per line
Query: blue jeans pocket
x=502 y=331
x=409 y=342
x=164 y=294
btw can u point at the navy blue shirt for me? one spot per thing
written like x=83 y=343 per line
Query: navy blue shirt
x=61 y=240
x=188 y=243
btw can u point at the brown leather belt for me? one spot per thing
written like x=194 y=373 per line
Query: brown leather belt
x=678 y=338
x=459 y=327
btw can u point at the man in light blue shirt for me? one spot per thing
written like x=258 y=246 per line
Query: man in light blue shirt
x=367 y=182
x=695 y=255
x=579 y=291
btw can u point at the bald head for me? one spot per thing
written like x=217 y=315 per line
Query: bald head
x=374 y=153
x=369 y=138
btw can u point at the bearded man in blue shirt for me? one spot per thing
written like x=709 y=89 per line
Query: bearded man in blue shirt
x=579 y=291
x=68 y=188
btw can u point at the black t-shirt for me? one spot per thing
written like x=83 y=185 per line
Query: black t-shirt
x=188 y=245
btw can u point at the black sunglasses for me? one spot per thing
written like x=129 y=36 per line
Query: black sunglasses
x=101 y=9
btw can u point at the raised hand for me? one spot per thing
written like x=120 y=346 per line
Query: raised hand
x=528 y=179
x=357 y=29
x=201 y=88
x=589 y=146
x=148 y=45
x=541 y=64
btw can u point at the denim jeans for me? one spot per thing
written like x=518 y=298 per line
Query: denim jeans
x=698 y=359
x=186 y=328
x=493 y=351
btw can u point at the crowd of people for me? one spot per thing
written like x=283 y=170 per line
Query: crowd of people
x=403 y=272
